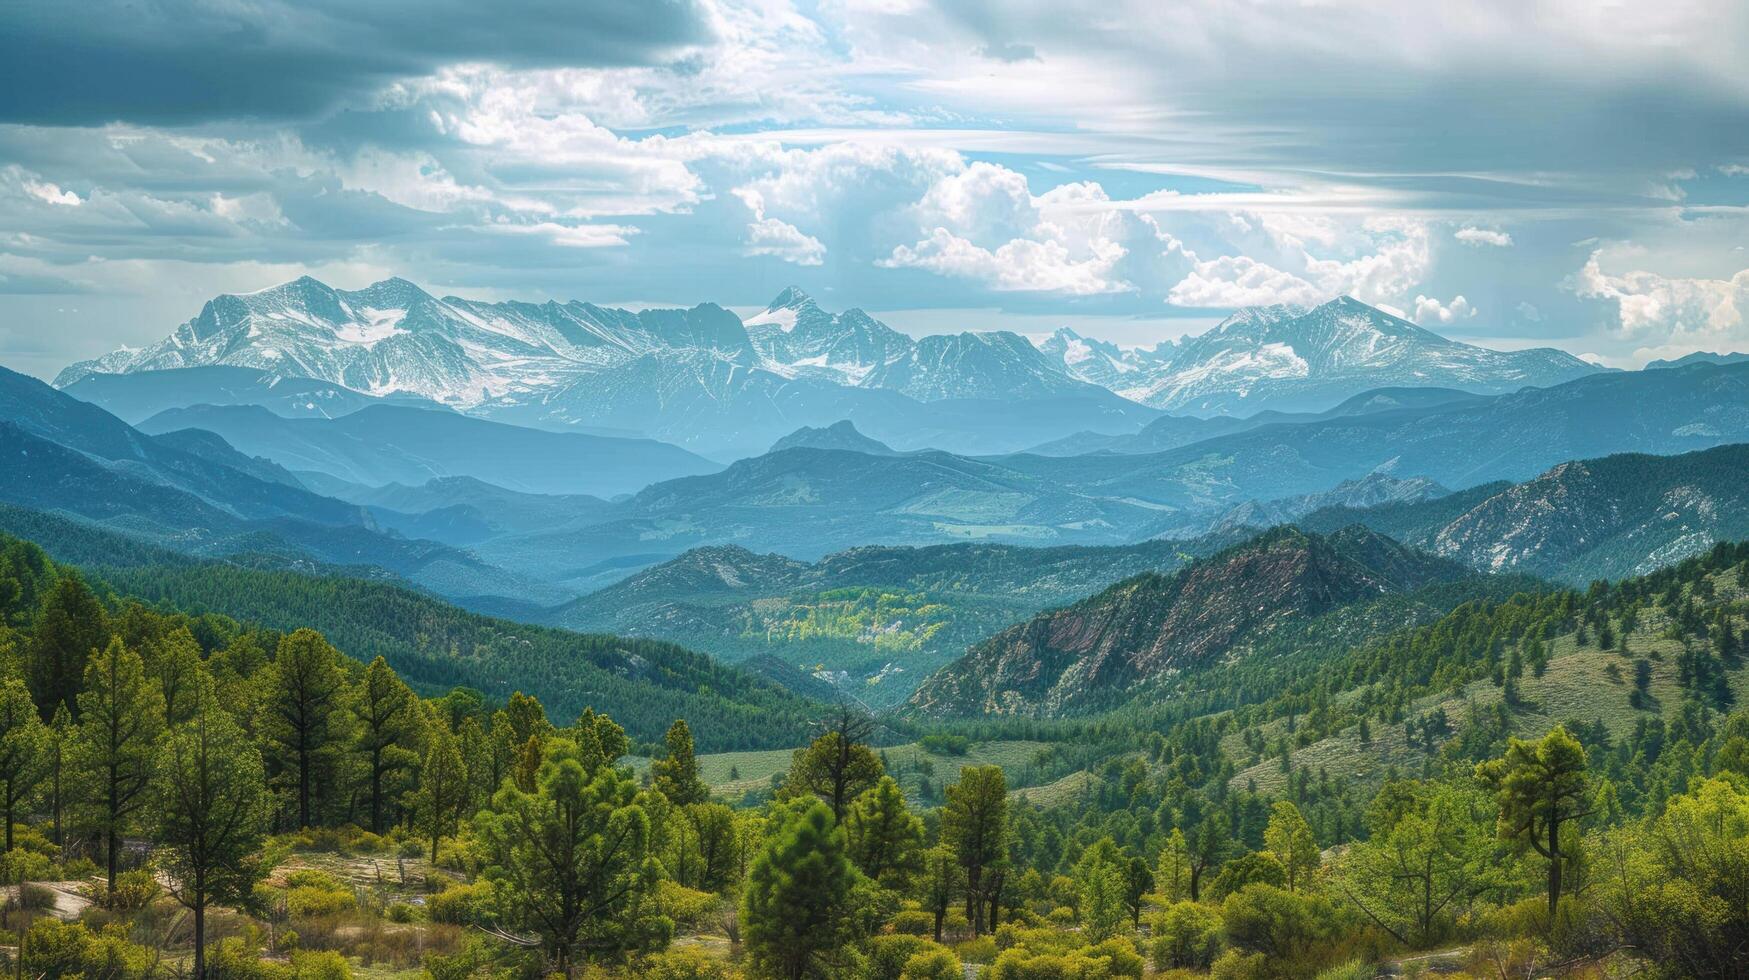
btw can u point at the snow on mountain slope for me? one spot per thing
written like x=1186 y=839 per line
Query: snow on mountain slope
x=705 y=378
x=1291 y=358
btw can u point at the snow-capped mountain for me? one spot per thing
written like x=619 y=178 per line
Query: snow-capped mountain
x=1291 y=358
x=700 y=377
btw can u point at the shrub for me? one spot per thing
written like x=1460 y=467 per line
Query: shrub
x=1062 y=915
x=20 y=864
x=58 y=949
x=461 y=904
x=887 y=955
x=312 y=878
x=945 y=744
x=688 y=908
x=684 y=964
x=979 y=950
x=1352 y=970
x=933 y=964
x=400 y=912
x=1187 y=935
x=134 y=890
x=308 y=901
x=311 y=965
x=36 y=898
x=914 y=922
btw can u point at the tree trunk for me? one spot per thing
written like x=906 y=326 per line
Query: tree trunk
x=1554 y=867
x=199 y=939
x=303 y=788
x=114 y=842
x=939 y=915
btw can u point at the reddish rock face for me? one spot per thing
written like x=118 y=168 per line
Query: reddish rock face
x=1152 y=626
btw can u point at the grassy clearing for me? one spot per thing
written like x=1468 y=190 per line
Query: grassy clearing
x=732 y=774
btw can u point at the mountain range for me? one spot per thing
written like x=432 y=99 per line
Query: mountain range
x=698 y=377
x=1296 y=359
x=723 y=386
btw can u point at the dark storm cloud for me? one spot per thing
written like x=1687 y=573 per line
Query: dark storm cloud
x=185 y=61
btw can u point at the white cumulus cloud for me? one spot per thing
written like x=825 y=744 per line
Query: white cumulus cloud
x=1479 y=237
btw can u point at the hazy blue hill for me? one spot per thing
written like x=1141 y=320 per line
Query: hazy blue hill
x=384 y=444
x=140 y=395
x=1172 y=431
x=838 y=435
x=1509 y=437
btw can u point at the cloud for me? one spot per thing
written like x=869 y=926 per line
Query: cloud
x=1431 y=311
x=1471 y=235
x=181 y=61
x=780 y=239
x=1238 y=280
x=1669 y=314
x=1018 y=265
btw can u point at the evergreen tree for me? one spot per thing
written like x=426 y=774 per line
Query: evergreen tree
x=676 y=774
x=974 y=823
x=212 y=812
x=837 y=767
x=1541 y=787
x=387 y=735
x=70 y=627
x=26 y=751
x=443 y=785
x=797 y=909
x=1172 y=870
x=941 y=883
x=1290 y=839
x=304 y=690
x=886 y=839
x=572 y=860
x=173 y=663
x=120 y=717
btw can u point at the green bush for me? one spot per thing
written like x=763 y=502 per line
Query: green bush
x=308 y=901
x=913 y=922
x=945 y=744
x=319 y=965
x=20 y=864
x=313 y=878
x=933 y=964
x=887 y=955
x=1187 y=935
x=134 y=890
x=979 y=950
x=683 y=964
x=461 y=904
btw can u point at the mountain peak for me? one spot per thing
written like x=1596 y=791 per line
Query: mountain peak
x=840 y=435
x=792 y=298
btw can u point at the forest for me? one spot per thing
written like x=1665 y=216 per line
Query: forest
x=1545 y=781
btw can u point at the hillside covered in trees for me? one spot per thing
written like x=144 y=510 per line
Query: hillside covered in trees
x=1536 y=781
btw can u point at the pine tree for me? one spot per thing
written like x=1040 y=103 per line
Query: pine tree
x=173 y=663
x=212 y=812
x=797 y=910
x=1541 y=787
x=386 y=711
x=885 y=837
x=942 y=880
x=838 y=766
x=120 y=718
x=70 y=627
x=572 y=859
x=26 y=751
x=1290 y=839
x=676 y=774
x=974 y=824
x=443 y=785
x=303 y=697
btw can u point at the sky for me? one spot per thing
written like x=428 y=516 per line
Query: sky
x=1513 y=173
